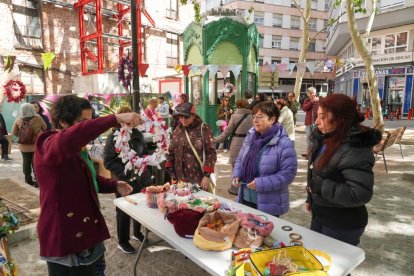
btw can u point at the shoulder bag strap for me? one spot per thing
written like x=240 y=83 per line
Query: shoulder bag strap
x=193 y=149
x=239 y=122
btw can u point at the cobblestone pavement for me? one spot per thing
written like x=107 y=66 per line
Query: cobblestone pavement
x=388 y=240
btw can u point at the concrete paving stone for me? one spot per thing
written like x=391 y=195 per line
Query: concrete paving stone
x=387 y=241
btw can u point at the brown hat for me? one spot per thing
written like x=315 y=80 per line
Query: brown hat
x=186 y=109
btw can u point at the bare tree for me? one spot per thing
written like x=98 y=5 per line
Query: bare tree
x=361 y=45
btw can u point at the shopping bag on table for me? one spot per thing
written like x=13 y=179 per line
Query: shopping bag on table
x=304 y=262
x=216 y=231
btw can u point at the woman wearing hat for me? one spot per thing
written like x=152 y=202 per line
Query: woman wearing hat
x=190 y=142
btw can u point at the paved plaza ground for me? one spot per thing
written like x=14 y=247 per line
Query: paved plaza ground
x=388 y=240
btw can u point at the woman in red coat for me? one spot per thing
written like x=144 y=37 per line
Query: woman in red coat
x=71 y=227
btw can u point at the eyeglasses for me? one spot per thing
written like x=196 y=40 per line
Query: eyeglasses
x=259 y=117
x=182 y=116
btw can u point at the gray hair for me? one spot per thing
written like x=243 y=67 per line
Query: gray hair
x=312 y=89
x=27 y=110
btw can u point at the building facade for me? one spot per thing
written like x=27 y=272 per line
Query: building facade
x=280 y=25
x=391 y=43
x=32 y=27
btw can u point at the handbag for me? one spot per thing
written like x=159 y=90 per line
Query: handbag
x=213 y=178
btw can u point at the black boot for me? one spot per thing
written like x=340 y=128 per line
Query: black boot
x=29 y=180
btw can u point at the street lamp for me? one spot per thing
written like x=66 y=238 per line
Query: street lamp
x=134 y=38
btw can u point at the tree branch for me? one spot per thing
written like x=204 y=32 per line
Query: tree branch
x=301 y=12
x=325 y=28
x=370 y=19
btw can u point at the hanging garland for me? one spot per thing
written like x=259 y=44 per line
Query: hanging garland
x=125 y=71
x=130 y=158
x=15 y=91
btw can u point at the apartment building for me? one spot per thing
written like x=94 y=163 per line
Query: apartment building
x=32 y=27
x=280 y=24
x=391 y=43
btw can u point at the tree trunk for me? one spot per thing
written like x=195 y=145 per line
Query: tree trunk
x=304 y=48
x=362 y=49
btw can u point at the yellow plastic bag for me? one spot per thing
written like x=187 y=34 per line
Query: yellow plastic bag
x=300 y=256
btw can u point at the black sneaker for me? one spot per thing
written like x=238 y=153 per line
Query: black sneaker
x=6 y=158
x=126 y=248
x=138 y=237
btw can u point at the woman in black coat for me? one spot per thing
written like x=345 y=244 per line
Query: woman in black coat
x=340 y=176
x=113 y=163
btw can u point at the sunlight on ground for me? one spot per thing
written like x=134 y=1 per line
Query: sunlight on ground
x=297 y=203
x=380 y=230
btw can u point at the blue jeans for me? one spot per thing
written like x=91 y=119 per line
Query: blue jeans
x=308 y=130
x=348 y=236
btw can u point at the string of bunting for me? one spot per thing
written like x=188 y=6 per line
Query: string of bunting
x=130 y=158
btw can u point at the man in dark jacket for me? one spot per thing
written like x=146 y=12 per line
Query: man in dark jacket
x=293 y=105
x=3 y=139
x=310 y=106
x=114 y=163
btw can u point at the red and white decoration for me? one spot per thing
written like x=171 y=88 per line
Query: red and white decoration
x=130 y=158
x=15 y=91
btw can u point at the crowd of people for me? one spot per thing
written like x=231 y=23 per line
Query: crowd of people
x=259 y=133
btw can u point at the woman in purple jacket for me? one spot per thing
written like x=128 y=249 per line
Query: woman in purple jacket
x=266 y=164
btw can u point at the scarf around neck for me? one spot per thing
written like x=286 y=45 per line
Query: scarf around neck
x=250 y=161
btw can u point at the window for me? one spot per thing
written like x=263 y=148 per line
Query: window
x=295 y=22
x=402 y=42
x=172 y=9
x=314 y=4
x=260 y=61
x=385 y=4
x=32 y=78
x=294 y=43
x=27 y=27
x=260 y=42
x=258 y=18
x=312 y=24
x=293 y=4
x=389 y=43
x=327 y=4
x=276 y=42
x=375 y=45
x=276 y=60
x=277 y=20
x=311 y=46
x=172 y=49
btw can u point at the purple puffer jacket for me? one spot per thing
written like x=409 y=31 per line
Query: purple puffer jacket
x=277 y=167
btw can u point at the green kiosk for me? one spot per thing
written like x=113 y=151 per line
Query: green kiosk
x=221 y=50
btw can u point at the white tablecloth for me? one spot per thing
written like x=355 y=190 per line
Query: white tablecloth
x=345 y=257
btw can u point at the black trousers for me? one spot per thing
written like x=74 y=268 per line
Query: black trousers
x=55 y=269
x=123 y=223
x=28 y=165
x=4 y=146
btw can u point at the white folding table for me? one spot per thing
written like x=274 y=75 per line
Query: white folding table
x=345 y=257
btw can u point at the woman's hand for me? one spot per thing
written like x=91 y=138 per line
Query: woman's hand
x=252 y=185
x=124 y=188
x=205 y=183
x=236 y=182
x=131 y=119
x=308 y=208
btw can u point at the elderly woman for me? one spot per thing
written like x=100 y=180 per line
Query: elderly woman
x=266 y=164
x=286 y=117
x=27 y=127
x=191 y=141
x=239 y=125
x=340 y=176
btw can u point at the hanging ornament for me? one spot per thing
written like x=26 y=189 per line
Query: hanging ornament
x=15 y=91
x=125 y=71
x=129 y=157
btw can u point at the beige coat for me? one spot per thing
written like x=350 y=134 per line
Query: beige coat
x=287 y=121
x=37 y=124
x=236 y=142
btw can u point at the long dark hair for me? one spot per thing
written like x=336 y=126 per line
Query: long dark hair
x=41 y=110
x=345 y=116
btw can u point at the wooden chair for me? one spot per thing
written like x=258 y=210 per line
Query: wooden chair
x=398 y=139
x=385 y=143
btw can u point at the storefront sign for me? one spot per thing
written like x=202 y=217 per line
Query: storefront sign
x=384 y=72
x=386 y=59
